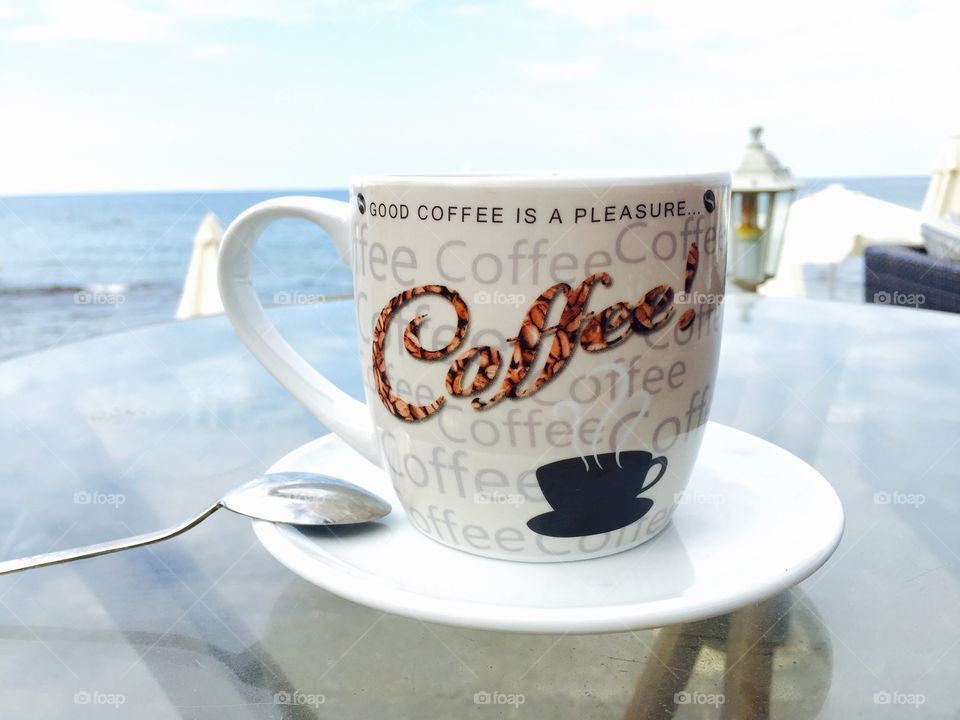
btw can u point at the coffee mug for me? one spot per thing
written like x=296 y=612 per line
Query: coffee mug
x=538 y=351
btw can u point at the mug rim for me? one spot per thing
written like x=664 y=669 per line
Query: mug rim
x=546 y=179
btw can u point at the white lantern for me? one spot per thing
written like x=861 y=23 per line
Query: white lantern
x=762 y=193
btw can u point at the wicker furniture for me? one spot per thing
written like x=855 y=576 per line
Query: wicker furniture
x=908 y=276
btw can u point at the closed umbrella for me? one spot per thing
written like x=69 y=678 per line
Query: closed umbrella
x=943 y=192
x=200 y=293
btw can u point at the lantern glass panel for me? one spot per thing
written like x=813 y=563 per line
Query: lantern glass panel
x=748 y=245
x=778 y=226
x=763 y=210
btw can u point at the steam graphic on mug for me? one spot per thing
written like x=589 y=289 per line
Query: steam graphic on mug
x=603 y=494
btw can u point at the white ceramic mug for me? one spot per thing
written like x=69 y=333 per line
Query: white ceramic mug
x=538 y=351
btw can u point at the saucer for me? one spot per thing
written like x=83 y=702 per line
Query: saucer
x=753 y=521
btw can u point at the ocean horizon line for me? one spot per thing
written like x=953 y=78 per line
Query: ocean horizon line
x=345 y=188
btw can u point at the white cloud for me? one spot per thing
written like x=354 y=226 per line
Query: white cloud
x=470 y=9
x=116 y=21
x=378 y=6
x=594 y=13
x=840 y=84
x=108 y=21
x=284 y=12
x=214 y=50
x=567 y=69
x=842 y=87
x=281 y=12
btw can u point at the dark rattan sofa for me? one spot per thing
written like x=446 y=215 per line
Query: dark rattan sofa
x=906 y=275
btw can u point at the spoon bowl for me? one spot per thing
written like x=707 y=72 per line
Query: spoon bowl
x=299 y=498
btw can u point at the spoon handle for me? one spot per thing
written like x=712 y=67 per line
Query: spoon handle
x=112 y=546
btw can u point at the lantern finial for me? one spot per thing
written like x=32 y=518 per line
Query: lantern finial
x=759 y=170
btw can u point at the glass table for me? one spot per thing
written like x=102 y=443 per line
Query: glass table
x=133 y=432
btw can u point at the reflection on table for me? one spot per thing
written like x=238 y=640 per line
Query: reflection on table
x=136 y=431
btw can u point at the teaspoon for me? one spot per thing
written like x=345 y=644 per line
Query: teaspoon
x=296 y=498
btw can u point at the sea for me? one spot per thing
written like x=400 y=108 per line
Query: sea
x=78 y=266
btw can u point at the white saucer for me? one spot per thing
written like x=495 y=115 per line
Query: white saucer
x=755 y=520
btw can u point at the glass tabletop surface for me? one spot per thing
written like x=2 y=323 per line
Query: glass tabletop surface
x=137 y=431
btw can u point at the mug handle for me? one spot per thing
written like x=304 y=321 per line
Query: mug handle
x=662 y=462
x=348 y=418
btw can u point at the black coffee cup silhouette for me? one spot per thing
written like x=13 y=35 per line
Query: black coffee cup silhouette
x=595 y=494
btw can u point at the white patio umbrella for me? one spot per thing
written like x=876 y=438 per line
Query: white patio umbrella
x=943 y=192
x=833 y=224
x=200 y=293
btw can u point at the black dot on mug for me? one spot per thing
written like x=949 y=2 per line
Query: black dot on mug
x=361 y=203
x=709 y=201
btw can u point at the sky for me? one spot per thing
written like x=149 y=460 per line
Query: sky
x=104 y=95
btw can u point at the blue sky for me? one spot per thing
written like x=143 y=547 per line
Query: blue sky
x=206 y=94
